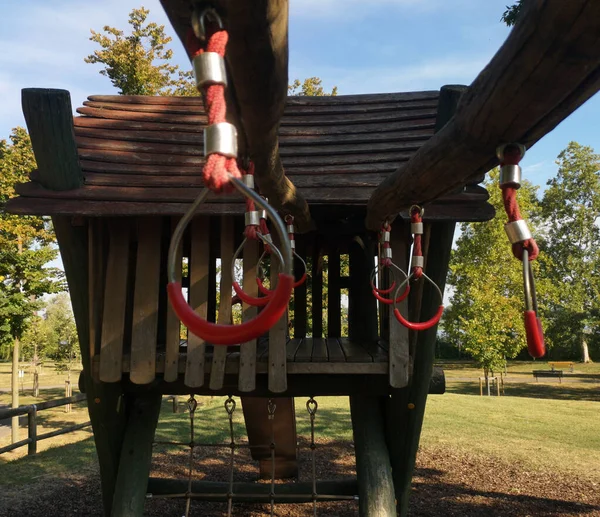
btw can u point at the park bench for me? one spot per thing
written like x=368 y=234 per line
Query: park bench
x=548 y=373
x=561 y=364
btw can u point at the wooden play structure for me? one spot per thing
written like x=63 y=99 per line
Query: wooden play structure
x=118 y=178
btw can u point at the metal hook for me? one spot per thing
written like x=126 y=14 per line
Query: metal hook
x=200 y=15
x=500 y=150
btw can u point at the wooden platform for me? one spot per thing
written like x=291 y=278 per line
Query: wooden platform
x=304 y=356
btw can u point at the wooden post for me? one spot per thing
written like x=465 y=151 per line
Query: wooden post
x=136 y=454
x=32 y=430
x=362 y=306
x=406 y=408
x=373 y=468
x=49 y=117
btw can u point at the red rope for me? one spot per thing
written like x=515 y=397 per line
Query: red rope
x=217 y=167
x=415 y=217
x=512 y=156
x=386 y=261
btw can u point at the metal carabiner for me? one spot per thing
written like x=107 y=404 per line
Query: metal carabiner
x=218 y=334
x=249 y=299
x=377 y=292
x=533 y=326
x=199 y=18
x=424 y=325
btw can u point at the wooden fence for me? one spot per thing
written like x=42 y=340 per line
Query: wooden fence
x=31 y=411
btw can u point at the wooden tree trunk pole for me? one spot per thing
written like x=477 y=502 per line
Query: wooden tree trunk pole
x=106 y=413
x=15 y=390
x=257 y=61
x=548 y=66
x=136 y=455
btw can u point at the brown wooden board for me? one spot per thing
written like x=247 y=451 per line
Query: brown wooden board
x=96 y=281
x=277 y=342
x=115 y=296
x=304 y=351
x=247 y=380
x=319 y=351
x=334 y=351
x=317 y=288
x=173 y=324
x=354 y=352
x=291 y=348
x=145 y=303
x=398 y=342
x=300 y=315
x=217 y=372
x=198 y=271
x=334 y=308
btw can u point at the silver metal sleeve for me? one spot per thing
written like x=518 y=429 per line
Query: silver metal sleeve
x=252 y=218
x=510 y=175
x=387 y=253
x=209 y=68
x=384 y=237
x=221 y=138
x=517 y=231
x=290 y=228
x=248 y=180
x=293 y=243
x=417 y=261
x=416 y=228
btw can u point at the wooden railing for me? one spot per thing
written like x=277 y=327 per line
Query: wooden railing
x=31 y=411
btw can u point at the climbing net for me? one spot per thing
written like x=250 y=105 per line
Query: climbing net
x=230 y=491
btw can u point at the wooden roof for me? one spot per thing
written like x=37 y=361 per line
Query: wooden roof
x=143 y=155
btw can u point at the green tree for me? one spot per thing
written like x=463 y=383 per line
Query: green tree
x=310 y=87
x=485 y=318
x=25 y=249
x=511 y=15
x=571 y=212
x=139 y=63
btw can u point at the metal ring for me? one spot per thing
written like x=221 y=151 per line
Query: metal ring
x=420 y=325
x=420 y=209
x=502 y=147
x=199 y=19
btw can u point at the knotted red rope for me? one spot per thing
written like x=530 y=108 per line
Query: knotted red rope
x=217 y=167
x=512 y=156
x=385 y=261
x=251 y=229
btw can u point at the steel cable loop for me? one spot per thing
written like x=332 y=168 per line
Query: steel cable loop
x=434 y=320
x=377 y=293
x=218 y=334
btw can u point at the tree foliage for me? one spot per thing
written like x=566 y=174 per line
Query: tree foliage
x=25 y=247
x=511 y=15
x=571 y=211
x=310 y=87
x=485 y=317
x=138 y=63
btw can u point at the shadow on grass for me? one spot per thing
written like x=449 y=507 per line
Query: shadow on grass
x=583 y=390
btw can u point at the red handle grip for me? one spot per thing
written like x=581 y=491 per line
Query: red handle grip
x=389 y=301
x=233 y=334
x=251 y=300
x=535 y=335
x=424 y=325
x=269 y=292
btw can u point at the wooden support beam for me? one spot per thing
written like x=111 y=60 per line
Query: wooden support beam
x=258 y=88
x=548 y=66
x=406 y=407
x=253 y=492
x=362 y=306
x=49 y=117
x=136 y=454
x=373 y=468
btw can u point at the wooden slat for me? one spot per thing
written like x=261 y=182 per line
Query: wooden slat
x=292 y=140
x=292 y=109
x=277 y=342
x=247 y=379
x=319 y=351
x=334 y=307
x=217 y=372
x=334 y=351
x=173 y=324
x=145 y=302
x=113 y=318
x=291 y=348
x=96 y=278
x=300 y=319
x=399 y=339
x=317 y=289
x=354 y=352
x=198 y=267
x=304 y=351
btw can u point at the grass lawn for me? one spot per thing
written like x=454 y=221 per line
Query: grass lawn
x=455 y=368
x=48 y=377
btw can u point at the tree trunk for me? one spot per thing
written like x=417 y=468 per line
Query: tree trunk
x=585 y=352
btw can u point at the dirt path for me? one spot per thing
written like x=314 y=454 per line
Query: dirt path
x=446 y=483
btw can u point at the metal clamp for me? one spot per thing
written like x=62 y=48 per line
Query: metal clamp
x=518 y=231
x=209 y=68
x=510 y=175
x=221 y=138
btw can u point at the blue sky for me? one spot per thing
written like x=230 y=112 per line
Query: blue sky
x=361 y=47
